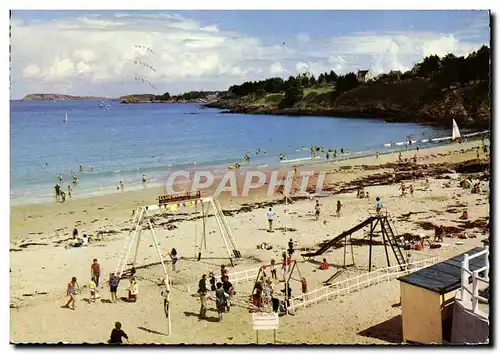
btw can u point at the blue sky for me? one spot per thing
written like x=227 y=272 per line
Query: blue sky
x=96 y=52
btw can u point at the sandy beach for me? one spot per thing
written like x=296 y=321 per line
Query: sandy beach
x=41 y=266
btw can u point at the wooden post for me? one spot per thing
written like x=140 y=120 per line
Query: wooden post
x=345 y=245
x=203 y=220
x=196 y=227
x=385 y=237
x=371 y=241
x=204 y=234
x=352 y=249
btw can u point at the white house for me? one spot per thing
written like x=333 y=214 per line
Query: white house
x=364 y=76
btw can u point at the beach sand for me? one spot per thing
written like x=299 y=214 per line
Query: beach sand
x=41 y=266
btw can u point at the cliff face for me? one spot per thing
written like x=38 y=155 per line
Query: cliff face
x=412 y=100
x=54 y=96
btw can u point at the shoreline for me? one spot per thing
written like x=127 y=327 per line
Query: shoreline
x=157 y=182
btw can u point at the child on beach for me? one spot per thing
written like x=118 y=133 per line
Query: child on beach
x=92 y=288
x=378 y=205
x=273 y=269
x=113 y=287
x=70 y=190
x=211 y=279
x=117 y=334
x=173 y=256
x=220 y=300
x=133 y=290
x=324 y=265
x=402 y=187
x=303 y=284
x=71 y=291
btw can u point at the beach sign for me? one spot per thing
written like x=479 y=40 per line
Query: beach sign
x=265 y=321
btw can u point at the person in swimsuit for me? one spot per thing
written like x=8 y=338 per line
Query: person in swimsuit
x=71 y=292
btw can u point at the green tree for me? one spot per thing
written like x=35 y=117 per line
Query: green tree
x=429 y=66
x=347 y=82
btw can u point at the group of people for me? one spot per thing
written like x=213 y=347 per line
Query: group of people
x=223 y=291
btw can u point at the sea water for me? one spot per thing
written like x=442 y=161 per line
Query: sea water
x=127 y=140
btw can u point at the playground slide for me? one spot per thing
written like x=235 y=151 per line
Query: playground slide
x=333 y=277
x=335 y=240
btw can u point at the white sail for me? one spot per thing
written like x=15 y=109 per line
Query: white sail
x=456 y=131
x=66 y=117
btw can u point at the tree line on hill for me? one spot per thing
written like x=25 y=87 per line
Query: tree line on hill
x=444 y=73
x=186 y=96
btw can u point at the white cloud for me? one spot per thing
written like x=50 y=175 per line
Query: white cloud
x=301 y=67
x=96 y=54
x=276 y=68
x=303 y=37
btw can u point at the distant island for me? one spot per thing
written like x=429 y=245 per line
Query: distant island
x=187 y=97
x=434 y=91
x=58 y=97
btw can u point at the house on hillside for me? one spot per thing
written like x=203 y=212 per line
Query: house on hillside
x=364 y=76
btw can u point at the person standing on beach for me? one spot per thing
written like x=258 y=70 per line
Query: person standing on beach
x=220 y=300
x=70 y=190
x=270 y=220
x=273 y=269
x=61 y=177
x=95 y=271
x=317 y=209
x=400 y=158
x=71 y=291
x=378 y=205
x=144 y=179
x=117 y=334
x=212 y=281
x=202 y=292
x=411 y=189
x=121 y=186
x=174 y=258
x=339 y=206
x=57 y=188
x=93 y=289
x=113 y=287
x=393 y=179
x=376 y=155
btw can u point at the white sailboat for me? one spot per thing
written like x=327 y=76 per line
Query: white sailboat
x=65 y=118
x=456 y=132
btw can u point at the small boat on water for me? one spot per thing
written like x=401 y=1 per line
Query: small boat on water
x=456 y=132
x=65 y=120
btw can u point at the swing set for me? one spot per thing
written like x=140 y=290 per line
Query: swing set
x=291 y=266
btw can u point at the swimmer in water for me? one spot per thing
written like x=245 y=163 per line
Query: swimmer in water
x=80 y=167
x=144 y=178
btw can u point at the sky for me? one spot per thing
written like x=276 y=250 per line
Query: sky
x=114 y=53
